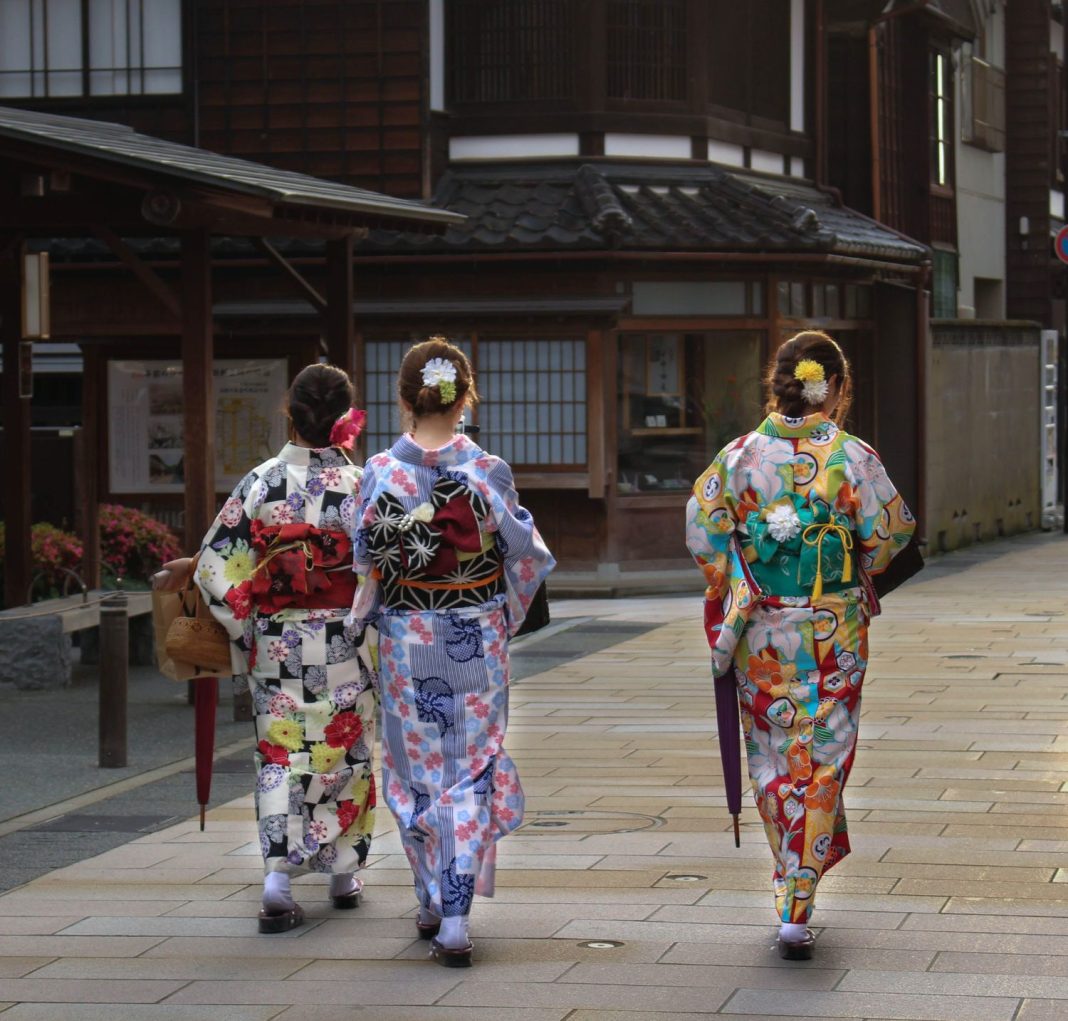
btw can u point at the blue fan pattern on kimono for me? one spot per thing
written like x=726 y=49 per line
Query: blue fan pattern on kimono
x=450 y=563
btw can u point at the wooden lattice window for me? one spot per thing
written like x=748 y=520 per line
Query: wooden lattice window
x=510 y=50
x=749 y=58
x=533 y=410
x=646 y=41
x=533 y=398
x=382 y=359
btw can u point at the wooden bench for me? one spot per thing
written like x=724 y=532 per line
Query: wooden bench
x=37 y=638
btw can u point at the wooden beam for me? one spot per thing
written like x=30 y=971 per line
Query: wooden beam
x=198 y=350
x=18 y=562
x=78 y=211
x=292 y=273
x=338 y=320
x=140 y=269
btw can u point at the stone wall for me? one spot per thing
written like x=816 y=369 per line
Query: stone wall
x=983 y=412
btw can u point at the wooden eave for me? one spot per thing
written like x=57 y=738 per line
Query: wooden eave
x=104 y=192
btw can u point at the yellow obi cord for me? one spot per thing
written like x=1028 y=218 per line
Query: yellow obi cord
x=845 y=536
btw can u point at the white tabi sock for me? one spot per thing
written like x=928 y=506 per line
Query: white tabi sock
x=277 y=896
x=342 y=884
x=792 y=932
x=453 y=933
x=427 y=917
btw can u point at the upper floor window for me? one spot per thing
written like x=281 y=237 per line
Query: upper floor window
x=55 y=48
x=505 y=50
x=646 y=50
x=941 y=119
x=734 y=57
x=749 y=58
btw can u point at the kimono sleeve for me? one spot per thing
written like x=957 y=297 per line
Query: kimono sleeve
x=368 y=598
x=226 y=564
x=883 y=523
x=710 y=526
x=527 y=560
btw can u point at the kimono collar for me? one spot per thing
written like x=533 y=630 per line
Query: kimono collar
x=804 y=427
x=322 y=457
x=458 y=450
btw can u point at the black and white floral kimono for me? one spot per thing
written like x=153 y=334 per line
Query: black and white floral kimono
x=276 y=570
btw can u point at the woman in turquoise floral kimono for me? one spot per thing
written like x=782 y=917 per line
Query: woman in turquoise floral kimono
x=786 y=523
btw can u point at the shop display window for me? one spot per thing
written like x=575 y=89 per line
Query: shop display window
x=683 y=396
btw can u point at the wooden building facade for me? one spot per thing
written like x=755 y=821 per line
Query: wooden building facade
x=657 y=192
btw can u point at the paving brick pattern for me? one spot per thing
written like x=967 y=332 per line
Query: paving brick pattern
x=954 y=904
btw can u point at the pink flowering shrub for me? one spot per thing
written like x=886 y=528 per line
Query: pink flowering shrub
x=53 y=551
x=133 y=545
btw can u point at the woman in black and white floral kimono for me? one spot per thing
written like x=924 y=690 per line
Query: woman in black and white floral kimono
x=276 y=570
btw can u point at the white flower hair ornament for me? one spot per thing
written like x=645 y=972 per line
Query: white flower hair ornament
x=440 y=372
x=814 y=386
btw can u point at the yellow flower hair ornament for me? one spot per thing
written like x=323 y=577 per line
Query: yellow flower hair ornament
x=813 y=379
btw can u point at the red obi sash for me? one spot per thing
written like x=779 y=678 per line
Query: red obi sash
x=298 y=566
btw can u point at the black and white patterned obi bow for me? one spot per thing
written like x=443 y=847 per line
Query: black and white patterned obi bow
x=409 y=541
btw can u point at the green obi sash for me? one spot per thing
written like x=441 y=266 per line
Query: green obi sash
x=813 y=556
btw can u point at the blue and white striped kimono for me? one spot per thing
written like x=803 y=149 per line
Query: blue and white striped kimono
x=450 y=563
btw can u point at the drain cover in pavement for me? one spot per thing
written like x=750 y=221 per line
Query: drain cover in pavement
x=75 y=823
x=587 y=821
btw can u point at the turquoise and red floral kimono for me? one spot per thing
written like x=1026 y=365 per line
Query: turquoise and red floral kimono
x=782 y=524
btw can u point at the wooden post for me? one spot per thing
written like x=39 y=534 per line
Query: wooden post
x=114 y=676
x=596 y=419
x=18 y=562
x=338 y=320
x=198 y=349
x=87 y=486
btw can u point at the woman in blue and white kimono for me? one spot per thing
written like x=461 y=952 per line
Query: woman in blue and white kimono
x=449 y=563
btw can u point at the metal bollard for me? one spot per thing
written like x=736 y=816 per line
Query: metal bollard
x=114 y=675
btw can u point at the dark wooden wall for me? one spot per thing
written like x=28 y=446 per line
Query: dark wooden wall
x=1029 y=166
x=849 y=120
x=904 y=152
x=332 y=88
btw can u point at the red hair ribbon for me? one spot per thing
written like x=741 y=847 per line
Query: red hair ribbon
x=347 y=428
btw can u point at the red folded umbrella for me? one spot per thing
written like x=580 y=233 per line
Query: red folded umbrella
x=205 y=701
x=729 y=725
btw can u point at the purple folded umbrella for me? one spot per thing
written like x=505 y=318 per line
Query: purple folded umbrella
x=729 y=725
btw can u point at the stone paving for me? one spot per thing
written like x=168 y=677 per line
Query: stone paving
x=622 y=897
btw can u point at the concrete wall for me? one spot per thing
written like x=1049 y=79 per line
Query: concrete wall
x=981 y=201
x=983 y=407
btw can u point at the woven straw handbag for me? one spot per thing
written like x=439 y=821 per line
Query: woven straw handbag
x=194 y=638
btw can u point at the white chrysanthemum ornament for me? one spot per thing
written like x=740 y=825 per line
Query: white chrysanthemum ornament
x=814 y=381
x=783 y=522
x=440 y=372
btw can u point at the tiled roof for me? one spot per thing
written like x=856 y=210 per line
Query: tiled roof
x=640 y=207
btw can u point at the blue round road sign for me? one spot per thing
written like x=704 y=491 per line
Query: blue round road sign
x=1060 y=244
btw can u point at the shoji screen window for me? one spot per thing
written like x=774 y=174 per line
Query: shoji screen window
x=533 y=410
x=382 y=360
x=52 y=48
